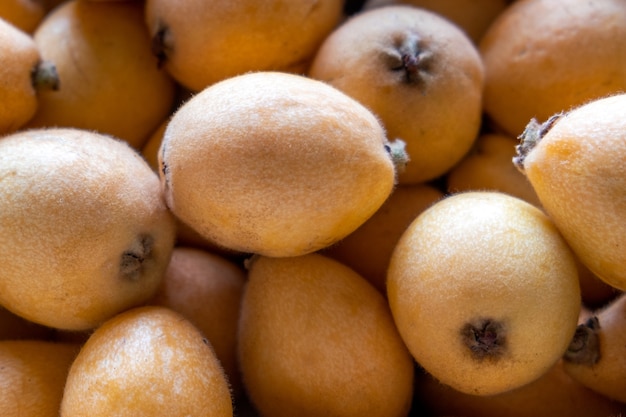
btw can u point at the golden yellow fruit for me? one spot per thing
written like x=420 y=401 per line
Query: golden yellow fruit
x=484 y=292
x=201 y=43
x=206 y=289
x=546 y=56
x=32 y=376
x=84 y=230
x=416 y=71
x=274 y=163
x=147 y=361
x=576 y=163
x=316 y=339
x=110 y=82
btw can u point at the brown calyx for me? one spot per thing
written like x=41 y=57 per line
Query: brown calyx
x=530 y=137
x=485 y=338
x=44 y=76
x=162 y=44
x=584 y=349
x=411 y=57
x=132 y=260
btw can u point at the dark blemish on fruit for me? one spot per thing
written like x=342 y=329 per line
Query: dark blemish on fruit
x=584 y=349
x=205 y=341
x=485 y=338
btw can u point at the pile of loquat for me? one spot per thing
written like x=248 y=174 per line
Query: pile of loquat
x=347 y=208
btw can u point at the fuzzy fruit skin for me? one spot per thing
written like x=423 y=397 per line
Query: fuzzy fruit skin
x=484 y=256
x=147 y=361
x=316 y=339
x=275 y=164
x=578 y=170
x=435 y=108
x=19 y=57
x=109 y=79
x=206 y=42
x=72 y=203
x=608 y=375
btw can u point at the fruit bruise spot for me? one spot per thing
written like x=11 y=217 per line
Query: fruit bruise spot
x=485 y=338
x=584 y=349
x=162 y=44
x=410 y=57
x=133 y=259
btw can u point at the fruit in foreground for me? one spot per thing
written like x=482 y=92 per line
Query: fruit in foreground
x=84 y=230
x=275 y=164
x=576 y=163
x=484 y=291
x=316 y=339
x=147 y=361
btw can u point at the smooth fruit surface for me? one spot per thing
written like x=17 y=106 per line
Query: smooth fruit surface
x=32 y=376
x=317 y=339
x=201 y=43
x=546 y=56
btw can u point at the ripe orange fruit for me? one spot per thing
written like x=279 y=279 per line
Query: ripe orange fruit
x=147 y=361
x=110 y=82
x=473 y=16
x=484 y=292
x=368 y=249
x=419 y=73
x=32 y=376
x=206 y=289
x=316 y=339
x=201 y=43
x=24 y=14
x=24 y=76
x=84 y=229
x=576 y=162
x=248 y=161
x=546 y=56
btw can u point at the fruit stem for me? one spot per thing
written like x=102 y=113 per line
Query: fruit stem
x=44 y=76
x=530 y=137
x=399 y=156
x=584 y=349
